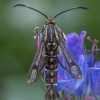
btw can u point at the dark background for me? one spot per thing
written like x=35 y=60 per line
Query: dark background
x=17 y=46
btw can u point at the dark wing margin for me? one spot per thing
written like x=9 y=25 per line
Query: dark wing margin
x=32 y=76
x=73 y=68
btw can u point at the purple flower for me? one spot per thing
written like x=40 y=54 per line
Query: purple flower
x=79 y=87
x=92 y=82
x=92 y=78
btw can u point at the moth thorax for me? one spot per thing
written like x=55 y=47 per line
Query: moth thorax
x=54 y=45
x=48 y=45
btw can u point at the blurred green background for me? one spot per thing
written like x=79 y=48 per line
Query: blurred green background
x=17 y=46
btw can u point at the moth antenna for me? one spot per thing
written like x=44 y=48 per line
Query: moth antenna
x=30 y=8
x=69 y=10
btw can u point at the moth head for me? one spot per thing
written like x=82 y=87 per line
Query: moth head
x=50 y=21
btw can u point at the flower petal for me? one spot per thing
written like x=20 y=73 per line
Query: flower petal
x=61 y=84
x=92 y=82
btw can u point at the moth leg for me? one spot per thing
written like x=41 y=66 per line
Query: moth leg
x=36 y=30
x=37 y=37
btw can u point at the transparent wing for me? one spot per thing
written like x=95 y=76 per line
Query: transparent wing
x=34 y=67
x=73 y=68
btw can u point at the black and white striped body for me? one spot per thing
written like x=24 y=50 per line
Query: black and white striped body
x=50 y=60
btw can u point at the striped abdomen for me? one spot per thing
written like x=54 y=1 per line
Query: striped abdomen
x=51 y=62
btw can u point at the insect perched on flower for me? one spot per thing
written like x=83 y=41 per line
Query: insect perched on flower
x=52 y=41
